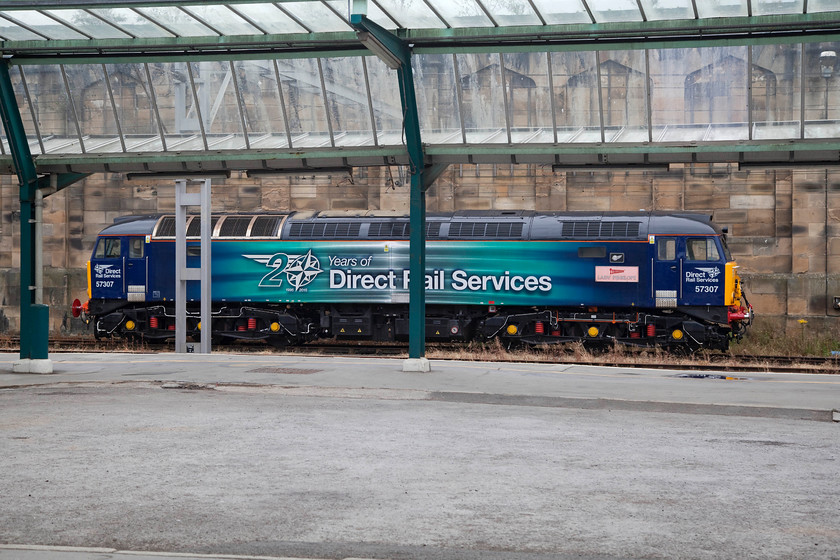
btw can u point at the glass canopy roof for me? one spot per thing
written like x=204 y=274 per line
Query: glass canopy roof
x=43 y=20
x=27 y=21
x=160 y=85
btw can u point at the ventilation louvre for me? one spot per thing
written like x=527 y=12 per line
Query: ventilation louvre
x=194 y=228
x=485 y=230
x=309 y=230
x=389 y=230
x=265 y=226
x=235 y=226
x=166 y=227
x=598 y=230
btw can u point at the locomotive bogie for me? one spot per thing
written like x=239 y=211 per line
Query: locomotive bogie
x=643 y=279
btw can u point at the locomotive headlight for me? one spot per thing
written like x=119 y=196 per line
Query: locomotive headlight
x=677 y=334
x=512 y=329
x=199 y=325
x=592 y=331
x=130 y=325
x=275 y=327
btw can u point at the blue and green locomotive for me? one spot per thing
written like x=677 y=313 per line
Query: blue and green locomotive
x=640 y=278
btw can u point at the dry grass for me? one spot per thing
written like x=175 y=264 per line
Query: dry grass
x=767 y=339
x=572 y=353
x=762 y=342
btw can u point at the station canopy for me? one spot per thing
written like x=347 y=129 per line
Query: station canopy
x=142 y=86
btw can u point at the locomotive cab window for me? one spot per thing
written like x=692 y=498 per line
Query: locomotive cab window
x=666 y=248
x=135 y=248
x=726 y=254
x=701 y=249
x=108 y=248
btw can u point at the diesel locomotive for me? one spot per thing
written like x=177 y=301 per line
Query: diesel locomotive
x=638 y=278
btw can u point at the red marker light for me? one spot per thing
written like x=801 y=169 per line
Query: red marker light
x=76 y=308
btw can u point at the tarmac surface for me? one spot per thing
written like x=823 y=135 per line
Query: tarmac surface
x=134 y=456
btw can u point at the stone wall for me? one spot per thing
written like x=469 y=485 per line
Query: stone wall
x=784 y=226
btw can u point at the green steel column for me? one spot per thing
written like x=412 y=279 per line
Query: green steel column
x=34 y=328
x=417 y=240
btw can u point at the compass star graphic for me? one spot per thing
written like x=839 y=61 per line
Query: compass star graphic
x=712 y=272
x=300 y=270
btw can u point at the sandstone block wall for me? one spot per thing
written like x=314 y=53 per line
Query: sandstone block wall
x=784 y=226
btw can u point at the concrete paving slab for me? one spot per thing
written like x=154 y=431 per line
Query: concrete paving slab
x=335 y=458
x=24 y=552
x=757 y=394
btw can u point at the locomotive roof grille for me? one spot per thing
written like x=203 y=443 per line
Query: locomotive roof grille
x=309 y=230
x=194 y=227
x=235 y=226
x=485 y=230
x=599 y=230
x=166 y=227
x=400 y=230
x=389 y=230
x=265 y=226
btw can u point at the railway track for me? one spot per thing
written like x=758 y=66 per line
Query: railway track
x=570 y=355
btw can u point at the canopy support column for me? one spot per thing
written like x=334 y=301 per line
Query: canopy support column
x=34 y=317
x=396 y=55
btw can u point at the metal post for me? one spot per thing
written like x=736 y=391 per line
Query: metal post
x=396 y=54
x=183 y=274
x=206 y=252
x=34 y=319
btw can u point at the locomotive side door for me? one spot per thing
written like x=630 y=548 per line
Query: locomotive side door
x=135 y=268
x=703 y=273
x=665 y=264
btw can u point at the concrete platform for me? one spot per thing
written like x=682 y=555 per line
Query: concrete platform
x=296 y=457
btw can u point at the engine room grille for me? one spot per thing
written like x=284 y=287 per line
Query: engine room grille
x=194 y=229
x=309 y=230
x=485 y=230
x=400 y=230
x=166 y=227
x=235 y=226
x=389 y=230
x=595 y=229
x=265 y=226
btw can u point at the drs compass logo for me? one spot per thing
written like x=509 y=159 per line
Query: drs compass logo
x=300 y=270
x=106 y=271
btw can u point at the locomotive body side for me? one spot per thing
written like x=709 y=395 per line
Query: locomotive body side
x=638 y=278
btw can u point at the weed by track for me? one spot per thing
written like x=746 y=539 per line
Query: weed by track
x=493 y=351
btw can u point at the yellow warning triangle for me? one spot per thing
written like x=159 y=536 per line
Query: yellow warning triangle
x=437 y=332
x=342 y=330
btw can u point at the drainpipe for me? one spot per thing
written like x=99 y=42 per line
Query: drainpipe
x=39 y=236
